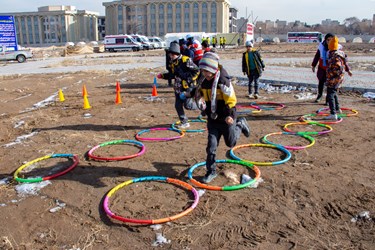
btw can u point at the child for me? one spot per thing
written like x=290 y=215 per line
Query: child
x=321 y=57
x=335 y=76
x=252 y=66
x=220 y=106
x=185 y=73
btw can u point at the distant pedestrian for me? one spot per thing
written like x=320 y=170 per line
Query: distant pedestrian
x=252 y=66
x=321 y=57
x=335 y=76
x=205 y=47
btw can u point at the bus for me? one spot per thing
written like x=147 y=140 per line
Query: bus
x=304 y=37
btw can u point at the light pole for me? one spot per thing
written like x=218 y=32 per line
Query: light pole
x=260 y=34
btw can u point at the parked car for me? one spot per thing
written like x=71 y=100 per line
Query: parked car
x=143 y=40
x=15 y=55
x=115 y=43
x=157 y=40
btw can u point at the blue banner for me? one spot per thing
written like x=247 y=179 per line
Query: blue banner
x=8 y=35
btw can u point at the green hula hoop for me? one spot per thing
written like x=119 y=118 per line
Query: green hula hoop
x=39 y=179
x=288 y=155
x=225 y=188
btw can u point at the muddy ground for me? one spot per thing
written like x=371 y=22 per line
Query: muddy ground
x=313 y=201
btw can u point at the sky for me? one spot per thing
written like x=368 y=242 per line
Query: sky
x=309 y=11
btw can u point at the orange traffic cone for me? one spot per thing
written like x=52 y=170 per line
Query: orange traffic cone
x=84 y=91
x=118 y=89
x=154 y=91
x=118 y=97
x=61 y=96
x=86 y=104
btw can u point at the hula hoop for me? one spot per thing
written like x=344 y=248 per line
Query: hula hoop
x=329 y=128
x=260 y=105
x=120 y=158
x=309 y=138
x=306 y=118
x=139 y=138
x=224 y=188
x=39 y=179
x=258 y=110
x=150 y=221
x=288 y=155
x=190 y=130
x=354 y=112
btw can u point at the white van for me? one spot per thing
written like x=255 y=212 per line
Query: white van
x=143 y=40
x=115 y=43
x=157 y=42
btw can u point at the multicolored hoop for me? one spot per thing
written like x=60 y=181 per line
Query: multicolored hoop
x=39 y=179
x=328 y=128
x=306 y=118
x=309 y=138
x=354 y=112
x=139 y=138
x=150 y=221
x=247 y=111
x=190 y=130
x=120 y=158
x=224 y=188
x=262 y=105
x=288 y=155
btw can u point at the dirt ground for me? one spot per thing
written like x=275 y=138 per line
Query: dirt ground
x=322 y=198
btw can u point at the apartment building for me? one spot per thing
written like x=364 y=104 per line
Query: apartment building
x=158 y=17
x=55 y=25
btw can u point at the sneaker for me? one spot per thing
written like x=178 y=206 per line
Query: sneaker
x=209 y=177
x=318 y=99
x=339 y=111
x=251 y=96
x=331 y=117
x=183 y=125
x=244 y=126
x=256 y=96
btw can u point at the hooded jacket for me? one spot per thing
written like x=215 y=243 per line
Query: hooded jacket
x=335 y=68
x=225 y=97
x=257 y=60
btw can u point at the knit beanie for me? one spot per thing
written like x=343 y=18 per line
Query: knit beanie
x=209 y=62
x=249 y=44
x=174 y=48
x=333 y=44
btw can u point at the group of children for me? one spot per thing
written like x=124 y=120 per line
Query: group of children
x=332 y=64
x=201 y=82
x=206 y=86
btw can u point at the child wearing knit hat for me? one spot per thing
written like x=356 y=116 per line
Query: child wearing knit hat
x=220 y=106
x=335 y=76
x=185 y=73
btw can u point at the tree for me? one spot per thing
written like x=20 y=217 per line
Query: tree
x=350 y=21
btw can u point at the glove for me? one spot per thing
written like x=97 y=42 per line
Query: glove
x=159 y=76
x=182 y=96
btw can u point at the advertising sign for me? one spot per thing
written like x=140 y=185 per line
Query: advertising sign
x=250 y=32
x=8 y=36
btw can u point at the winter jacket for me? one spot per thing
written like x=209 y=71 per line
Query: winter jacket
x=257 y=60
x=225 y=97
x=185 y=72
x=335 y=69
